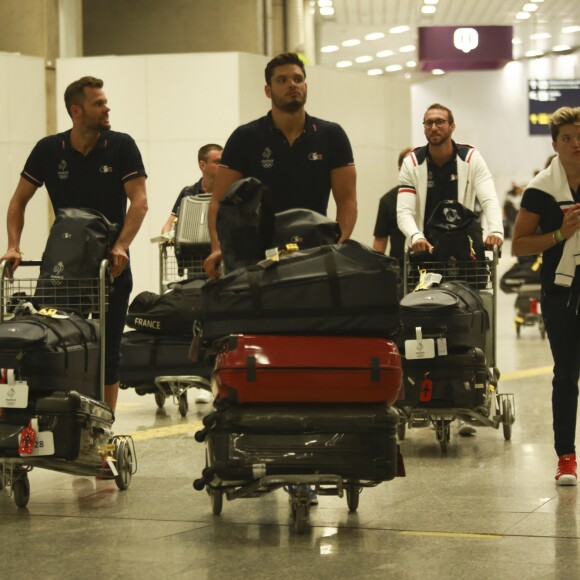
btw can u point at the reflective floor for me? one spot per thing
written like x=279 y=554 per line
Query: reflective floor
x=488 y=508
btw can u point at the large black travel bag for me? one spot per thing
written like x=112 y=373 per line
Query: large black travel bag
x=354 y=441
x=452 y=310
x=457 y=380
x=173 y=313
x=344 y=289
x=75 y=421
x=525 y=271
x=147 y=356
x=78 y=241
x=58 y=352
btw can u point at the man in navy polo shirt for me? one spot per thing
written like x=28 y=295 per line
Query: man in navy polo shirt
x=300 y=158
x=89 y=166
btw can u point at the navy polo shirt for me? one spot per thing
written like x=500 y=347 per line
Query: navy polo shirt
x=299 y=175
x=94 y=181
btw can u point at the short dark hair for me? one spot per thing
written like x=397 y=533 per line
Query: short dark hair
x=563 y=116
x=280 y=60
x=74 y=93
x=438 y=106
x=203 y=152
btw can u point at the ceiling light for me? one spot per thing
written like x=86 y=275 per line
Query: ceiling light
x=374 y=36
x=398 y=29
x=373 y=72
x=343 y=64
x=407 y=75
x=329 y=48
x=327 y=11
x=537 y=1
x=530 y=7
x=393 y=68
x=429 y=9
x=324 y=3
x=407 y=48
x=570 y=29
x=540 y=35
x=516 y=40
x=351 y=42
x=434 y=2
x=365 y=58
x=533 y=53
x=410 y=64
x=437 y=71
x=561 y=47
x=384 y=53
x=523 y=15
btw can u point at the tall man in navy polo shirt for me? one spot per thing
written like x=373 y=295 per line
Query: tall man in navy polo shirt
x=93 y=167
x=300 y=158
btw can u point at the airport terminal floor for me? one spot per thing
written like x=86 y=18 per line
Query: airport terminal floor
x=487 y=508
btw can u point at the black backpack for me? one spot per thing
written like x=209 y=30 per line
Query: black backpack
x=78 y=241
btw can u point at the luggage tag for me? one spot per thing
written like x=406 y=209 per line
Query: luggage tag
x=273 y=255
x=426 y=389
x=13 y=393
x=420 y=348
x=427 y=279
x=442 y=346
x=32 y=442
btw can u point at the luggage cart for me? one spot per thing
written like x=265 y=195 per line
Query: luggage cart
x=496 y=408
x=99 y=452
x=528 y=309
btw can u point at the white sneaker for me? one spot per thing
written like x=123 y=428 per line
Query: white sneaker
x=202 y=396
x=466 y=429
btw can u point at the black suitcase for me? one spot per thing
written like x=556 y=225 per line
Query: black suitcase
x=147 y=356
x=76 y=422
x=453 y=311
x=52 y=353
x=452 y=381
x=354 y=441
x=344 y=289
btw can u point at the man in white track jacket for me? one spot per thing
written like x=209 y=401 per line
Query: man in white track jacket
x=441 y=170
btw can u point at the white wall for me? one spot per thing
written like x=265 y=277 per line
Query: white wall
x=22 y=124
x=491 y=113
x=174 y=104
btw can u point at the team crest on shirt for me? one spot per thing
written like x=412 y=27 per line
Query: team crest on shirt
x=267 y=162
x=315 y=156
x=105 y=169
x=63 y=172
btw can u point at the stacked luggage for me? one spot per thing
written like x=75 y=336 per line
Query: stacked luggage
x=305 y=375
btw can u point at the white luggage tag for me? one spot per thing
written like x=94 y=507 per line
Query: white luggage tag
x=420 y=348
x=13 y=394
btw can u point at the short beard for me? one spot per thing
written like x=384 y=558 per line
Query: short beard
x=292 y=106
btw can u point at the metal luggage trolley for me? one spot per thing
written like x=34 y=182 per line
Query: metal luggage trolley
x=528 y=309
x=497 y=408
x=98 y=447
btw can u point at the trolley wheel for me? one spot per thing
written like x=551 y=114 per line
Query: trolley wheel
x=507 y=418
x=21 y=491
x=443 y=433
x=124 y=460
x=300 y=518
x=183 y=404
x=353 y=492
x=401 y=430
x=518 y=329
x=542 y=329
x=216 y=497
x=160 y=398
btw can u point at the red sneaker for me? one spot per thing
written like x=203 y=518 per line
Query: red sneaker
x=566 y=474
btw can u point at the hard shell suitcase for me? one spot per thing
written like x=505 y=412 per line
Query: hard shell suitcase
x=76 y=422
x=146 y=356
x=52 y=353
x=345 y=289
x=456 y=380
x=453 y=311
x=353 y=441
x=313 y=369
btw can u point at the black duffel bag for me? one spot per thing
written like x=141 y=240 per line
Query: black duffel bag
x=344 y=289
x=173 y=313
x=525 y=271
x=453 y=311
x=304 y=227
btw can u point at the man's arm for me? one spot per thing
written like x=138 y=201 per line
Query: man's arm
x=15 y=220
x=380 y=245
x=406 y=210
x=168 y=224
x=136 y=191
x=343 y=183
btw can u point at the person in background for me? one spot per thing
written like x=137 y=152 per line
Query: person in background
x=208 y=159
x=300 y=158
x=548 y=222
x=89 y=166
x=444 y=170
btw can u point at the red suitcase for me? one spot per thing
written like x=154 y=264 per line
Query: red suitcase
x=307 y=369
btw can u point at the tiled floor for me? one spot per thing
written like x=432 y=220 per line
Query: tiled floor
x=488 y=508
